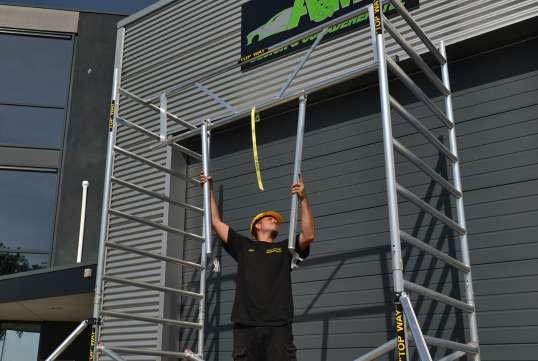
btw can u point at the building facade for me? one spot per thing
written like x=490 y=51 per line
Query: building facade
x=56 y=71
x=343 y=292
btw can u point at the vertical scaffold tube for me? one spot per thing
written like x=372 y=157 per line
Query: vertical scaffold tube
x=163 y=117
x=206 y=243
x=469 y=293
x=207 y=190
x=373 y=34
x=390 y=173
x=112 y=126
x=297 y=173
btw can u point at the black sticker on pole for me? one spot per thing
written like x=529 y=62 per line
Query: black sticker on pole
x=377 y=17
x=399 y=323
x=111 y=115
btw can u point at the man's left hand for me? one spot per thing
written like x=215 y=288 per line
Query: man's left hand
x=298 y=188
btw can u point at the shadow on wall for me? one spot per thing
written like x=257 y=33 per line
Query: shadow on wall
x=420 y=268
x=437 y=319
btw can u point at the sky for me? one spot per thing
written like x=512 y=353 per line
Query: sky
x=123 y=7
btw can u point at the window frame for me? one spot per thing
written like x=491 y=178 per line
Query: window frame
x=49 y=250
x=40 y=158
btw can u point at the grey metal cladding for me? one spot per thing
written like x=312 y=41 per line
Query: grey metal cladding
x=185 y=39
x=340 y=293
x=128 y=333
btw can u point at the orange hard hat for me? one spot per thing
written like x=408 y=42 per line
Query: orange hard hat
x=259 y=216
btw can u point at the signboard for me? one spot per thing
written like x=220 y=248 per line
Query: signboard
x=267 y=23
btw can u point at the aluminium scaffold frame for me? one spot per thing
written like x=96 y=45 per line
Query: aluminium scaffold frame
x=382 y=62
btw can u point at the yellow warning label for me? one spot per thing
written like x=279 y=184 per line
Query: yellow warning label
x=111 y=115
x=92 y=344
x=377 y=17
x=401 y=347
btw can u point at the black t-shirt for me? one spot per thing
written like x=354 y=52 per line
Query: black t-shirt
x=263 y=294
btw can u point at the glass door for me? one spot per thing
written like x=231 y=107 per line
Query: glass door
x=19 y=342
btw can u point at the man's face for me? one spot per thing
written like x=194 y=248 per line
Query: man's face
x=268 y=223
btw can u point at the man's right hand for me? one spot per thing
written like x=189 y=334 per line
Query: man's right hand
x=204 y=179
x=220 y=227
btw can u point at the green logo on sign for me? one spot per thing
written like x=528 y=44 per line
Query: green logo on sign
x=287 y=19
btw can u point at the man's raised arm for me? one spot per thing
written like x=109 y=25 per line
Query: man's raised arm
x=307 y=220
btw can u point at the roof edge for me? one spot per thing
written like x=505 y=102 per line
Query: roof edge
x=144 y=12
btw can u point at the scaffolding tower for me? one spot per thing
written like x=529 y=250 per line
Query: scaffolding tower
x=407 y=327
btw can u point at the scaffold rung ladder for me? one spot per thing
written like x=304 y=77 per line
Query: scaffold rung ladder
x=158 y=104
x=102 y=314
x=395 y=189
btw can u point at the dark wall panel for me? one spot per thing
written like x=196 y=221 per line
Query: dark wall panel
x=53 y=333
x=342 y=293
x=85 y=148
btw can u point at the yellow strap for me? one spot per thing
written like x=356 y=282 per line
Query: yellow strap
x=253 y=119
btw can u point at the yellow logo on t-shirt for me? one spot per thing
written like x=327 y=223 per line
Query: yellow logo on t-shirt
x=251 y=250
x=273 y=250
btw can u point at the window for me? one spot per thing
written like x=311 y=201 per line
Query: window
x=27 y=213
x=31 y=126
x=35 y=73
x=26 y=219
x=35 y=70
x=19 y=342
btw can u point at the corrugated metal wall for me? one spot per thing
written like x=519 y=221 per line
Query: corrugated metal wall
x=130 y=299
x=184 y=39
x=342 y=293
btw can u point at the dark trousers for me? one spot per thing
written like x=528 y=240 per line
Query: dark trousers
x=263 y=343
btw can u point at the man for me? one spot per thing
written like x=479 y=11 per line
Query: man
x=263 y=306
